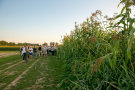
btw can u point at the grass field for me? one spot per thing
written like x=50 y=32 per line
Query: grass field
x=41 y=73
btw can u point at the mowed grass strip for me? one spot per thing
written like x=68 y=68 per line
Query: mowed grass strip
x=29 y=79
x=45 y=75
x=13 y=65
x=9 y=64
x=14 y=82
x=55 y=72
x=9 y=59
x=11 y=74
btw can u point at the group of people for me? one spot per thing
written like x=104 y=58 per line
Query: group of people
x=29 y=51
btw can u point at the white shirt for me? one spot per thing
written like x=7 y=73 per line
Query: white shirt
x=44 y=48
x=24 y=50
x=52 y=48
x=30 y=50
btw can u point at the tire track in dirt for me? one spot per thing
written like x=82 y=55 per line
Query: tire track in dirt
x=14 y=82
x=10 y=66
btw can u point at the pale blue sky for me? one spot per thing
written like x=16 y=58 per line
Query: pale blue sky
x=38 y=21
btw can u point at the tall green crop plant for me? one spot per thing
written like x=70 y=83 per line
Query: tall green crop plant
x=98 y=57
x=87 y=43
x=128 y=30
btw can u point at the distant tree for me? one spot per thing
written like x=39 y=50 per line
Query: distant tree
x=36 y=44
x=11 y=44
x=45 y=43
x=52 y=43
x=3 y=43
x=20 y=44
x=56 y=44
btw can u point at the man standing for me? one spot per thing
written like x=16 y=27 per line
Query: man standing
x=35 y=51
x=40 y=51
x=52 y=50
x=25 y=54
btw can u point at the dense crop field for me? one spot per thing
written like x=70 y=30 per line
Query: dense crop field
x=41 y=73
x=100 y=53
x=9 y=48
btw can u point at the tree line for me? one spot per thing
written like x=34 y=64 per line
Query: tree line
x=5 y=43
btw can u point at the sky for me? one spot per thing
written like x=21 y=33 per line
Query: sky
x=39 y=21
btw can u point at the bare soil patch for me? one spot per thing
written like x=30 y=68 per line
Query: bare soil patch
x=5 y=54
x=10 y=73
x=2 y=84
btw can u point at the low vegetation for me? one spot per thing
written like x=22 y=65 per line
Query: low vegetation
x=42 y=73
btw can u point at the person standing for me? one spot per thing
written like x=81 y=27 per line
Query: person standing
x=35 y=51
x=44 y=51
x=52 y=50
x=40 y=50
x=48 y=50
x=30 y=52
x=27 y=53
x=24 y=54
x=21 y=48
x=55 y=50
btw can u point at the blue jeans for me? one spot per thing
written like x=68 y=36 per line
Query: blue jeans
x=35 y=54
x=25 y=57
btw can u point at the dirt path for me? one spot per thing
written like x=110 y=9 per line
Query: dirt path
x=8 y=54
x=14 y=82
x=11 y=66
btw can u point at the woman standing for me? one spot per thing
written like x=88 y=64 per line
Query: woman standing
x=44 y=51
x=30 y=52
